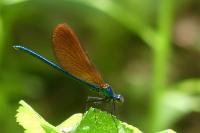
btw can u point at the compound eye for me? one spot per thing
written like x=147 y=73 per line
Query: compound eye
x=121 y=98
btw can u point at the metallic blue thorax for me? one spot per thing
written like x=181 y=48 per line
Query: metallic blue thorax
x=107 y=92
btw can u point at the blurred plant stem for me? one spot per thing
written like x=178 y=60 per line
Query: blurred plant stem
x=124 y=17
x=133 y=23
x=161 y=56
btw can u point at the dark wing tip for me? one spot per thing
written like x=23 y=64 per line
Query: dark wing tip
x=62 y=26
x=61 y=30
x=58 y=28
x=62 y=33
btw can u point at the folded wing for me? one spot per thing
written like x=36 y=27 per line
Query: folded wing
x=72 y=57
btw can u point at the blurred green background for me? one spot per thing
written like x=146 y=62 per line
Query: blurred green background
x=148 y=50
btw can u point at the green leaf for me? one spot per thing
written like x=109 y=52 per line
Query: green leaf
x=31 y=121
x=94 y=120
x=167 y=131
x=71 y=123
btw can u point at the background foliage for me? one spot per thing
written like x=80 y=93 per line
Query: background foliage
x=148 y=50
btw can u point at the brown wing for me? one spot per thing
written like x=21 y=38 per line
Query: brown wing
x=72 y=57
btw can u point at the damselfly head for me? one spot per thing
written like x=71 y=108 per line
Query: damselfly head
x=120 y=98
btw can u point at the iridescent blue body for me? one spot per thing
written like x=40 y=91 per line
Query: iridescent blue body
x=106 y=92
